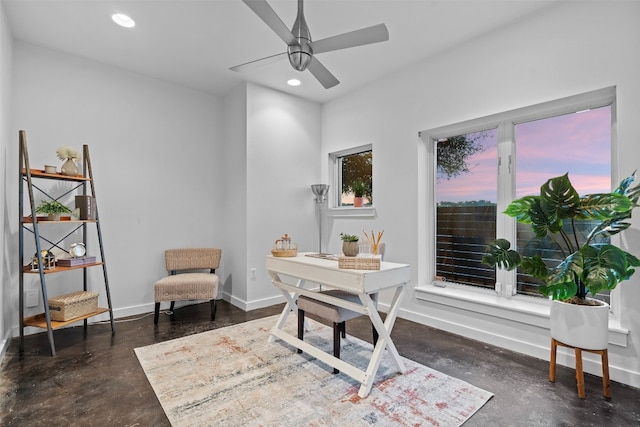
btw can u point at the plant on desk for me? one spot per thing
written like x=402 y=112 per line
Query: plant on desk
x=349 y=244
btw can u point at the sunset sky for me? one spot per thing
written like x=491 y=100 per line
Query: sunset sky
x=578 y=143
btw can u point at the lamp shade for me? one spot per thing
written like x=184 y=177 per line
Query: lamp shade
x=320 y=191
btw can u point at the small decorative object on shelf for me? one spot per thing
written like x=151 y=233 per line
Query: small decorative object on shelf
x=283 y=247
x=48 y=261
x=53 y=208
x=75 y=304
x=77 y=249
x=69 y=155
x=50 y=169
x=86 y=206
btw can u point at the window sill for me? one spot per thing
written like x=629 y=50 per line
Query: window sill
x=351 y=212
x=519 y=308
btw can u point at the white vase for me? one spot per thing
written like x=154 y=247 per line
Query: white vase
x=69 y=168
x=582 y=326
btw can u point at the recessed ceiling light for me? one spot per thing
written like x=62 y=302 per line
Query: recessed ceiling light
x=293 y=82
x=123 y=20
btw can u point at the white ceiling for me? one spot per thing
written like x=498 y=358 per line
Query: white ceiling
x=194 y=42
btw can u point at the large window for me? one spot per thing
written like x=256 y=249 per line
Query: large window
x=481 y=166
x=353 y=176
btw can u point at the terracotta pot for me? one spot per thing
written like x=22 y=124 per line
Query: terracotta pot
x=582 y=326
x=350 y=248
x=357 y=202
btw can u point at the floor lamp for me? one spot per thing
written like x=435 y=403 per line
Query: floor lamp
x=320 y=191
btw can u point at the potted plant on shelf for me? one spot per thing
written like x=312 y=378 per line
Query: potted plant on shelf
x=349 y=244
x=591 y=264
x=359 y=190
x=52 y=208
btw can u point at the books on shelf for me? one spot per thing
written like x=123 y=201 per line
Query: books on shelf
x=73 y=262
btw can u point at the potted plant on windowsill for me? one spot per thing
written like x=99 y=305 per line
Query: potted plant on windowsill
x=590 y=264
x=349 y=244
x=359 y=190
x=52 y=208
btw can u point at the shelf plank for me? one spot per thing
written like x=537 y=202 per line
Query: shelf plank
x=39 y=320
x=40 y=173
x=29 y=220
x=59 y=268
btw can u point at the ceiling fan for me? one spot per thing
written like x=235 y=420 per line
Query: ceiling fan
x=301 y=49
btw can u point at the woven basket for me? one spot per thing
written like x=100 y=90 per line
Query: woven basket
x=284 y=253
x=69 y=306
x=359 y=263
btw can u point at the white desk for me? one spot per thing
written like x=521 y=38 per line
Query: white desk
x=360 y=282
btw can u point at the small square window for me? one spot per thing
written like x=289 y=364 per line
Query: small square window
x=352 y=170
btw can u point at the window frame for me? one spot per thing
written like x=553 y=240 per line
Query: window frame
x=486 y=301
x=335 y=188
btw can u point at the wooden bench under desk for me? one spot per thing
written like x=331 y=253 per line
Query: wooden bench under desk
x=363 y=283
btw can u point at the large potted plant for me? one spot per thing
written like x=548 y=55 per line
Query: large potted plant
x=591 y=263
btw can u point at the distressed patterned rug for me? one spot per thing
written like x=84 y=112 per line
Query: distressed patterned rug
x=234 y=377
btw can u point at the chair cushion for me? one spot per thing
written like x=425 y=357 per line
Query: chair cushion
x=329 y=311
x=186 y=286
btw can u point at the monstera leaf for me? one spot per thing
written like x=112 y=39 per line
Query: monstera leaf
x=558 y=199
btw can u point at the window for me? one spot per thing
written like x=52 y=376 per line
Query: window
x=466 y=196
x=353 y=171
x=482 y=165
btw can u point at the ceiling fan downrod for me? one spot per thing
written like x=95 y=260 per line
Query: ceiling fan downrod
x=300 y=53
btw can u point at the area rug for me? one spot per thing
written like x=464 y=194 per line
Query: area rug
x=234 y=377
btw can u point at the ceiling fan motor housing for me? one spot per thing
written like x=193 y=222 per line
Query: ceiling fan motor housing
x=300 y=55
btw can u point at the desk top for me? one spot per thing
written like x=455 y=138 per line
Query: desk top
x=326 y=271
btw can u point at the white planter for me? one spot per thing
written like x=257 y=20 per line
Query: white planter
x=582 y=326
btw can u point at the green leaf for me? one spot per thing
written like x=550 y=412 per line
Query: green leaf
x=604 y=206
x=535 y=266
x=519 y=209
x=542 y=224
x=498 y=254
x=558 y=198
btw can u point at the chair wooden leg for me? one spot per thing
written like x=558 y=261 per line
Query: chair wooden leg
x=156 y=315
x=375 y=335
x=579 y=373
x=337 y=329
x=300 y=326
x=213 y=309
x=552 y=363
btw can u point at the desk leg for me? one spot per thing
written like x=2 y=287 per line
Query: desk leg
x=289 y=306
x=384 y=340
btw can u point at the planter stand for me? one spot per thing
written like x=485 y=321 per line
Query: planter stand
x=579 y=374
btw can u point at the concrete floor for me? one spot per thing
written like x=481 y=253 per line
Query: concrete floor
x=95 y=378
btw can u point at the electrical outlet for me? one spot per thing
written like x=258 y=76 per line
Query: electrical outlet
x=31 y=298
x=253 y=274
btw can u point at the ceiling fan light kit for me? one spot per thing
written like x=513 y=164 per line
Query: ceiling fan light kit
x=301 y=48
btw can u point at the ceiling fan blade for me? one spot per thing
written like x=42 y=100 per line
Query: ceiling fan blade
x=321 y=73
x=266 y=13
x=258 y=62
x=375 y=34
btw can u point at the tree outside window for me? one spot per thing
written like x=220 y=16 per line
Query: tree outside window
x=355 y=170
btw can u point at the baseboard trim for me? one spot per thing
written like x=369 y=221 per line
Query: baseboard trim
x=565 y=357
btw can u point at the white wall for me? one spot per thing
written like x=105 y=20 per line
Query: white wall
x=8 y=263
x=271 y=156
x=283 y=150
x=155 y=151
x=570 y=48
